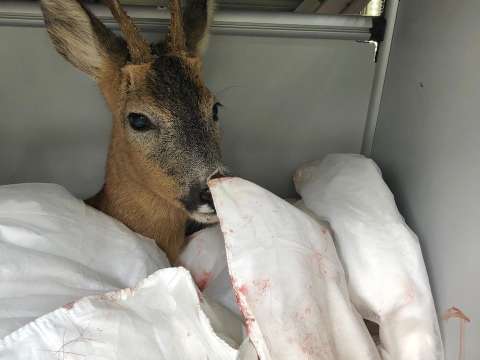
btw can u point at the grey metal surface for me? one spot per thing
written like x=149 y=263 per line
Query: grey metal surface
x=428 y=144
x=286 y=101
x=278 y=24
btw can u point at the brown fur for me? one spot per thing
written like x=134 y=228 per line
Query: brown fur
x=176 y=36
x=154 y=178
x=137 y=46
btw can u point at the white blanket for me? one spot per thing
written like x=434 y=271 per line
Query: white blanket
x=289 y=287
x=287 y=279
x=387 y=279
x=159 y=319
x=54 y=250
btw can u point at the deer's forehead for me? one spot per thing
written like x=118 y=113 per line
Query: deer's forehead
x=176 y=81
x=170 y=88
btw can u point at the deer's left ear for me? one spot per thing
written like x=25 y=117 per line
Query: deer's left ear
x=81 y=37
x=197 y=18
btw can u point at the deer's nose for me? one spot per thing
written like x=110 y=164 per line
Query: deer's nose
x=206 y=196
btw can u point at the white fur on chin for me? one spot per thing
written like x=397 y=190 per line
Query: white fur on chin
x=204 y=214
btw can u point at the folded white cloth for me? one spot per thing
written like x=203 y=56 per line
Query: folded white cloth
x=204 y=256
x=288 y=282
x=386 y=274
x=160 y=319
x=54 y=250
x=287 y=278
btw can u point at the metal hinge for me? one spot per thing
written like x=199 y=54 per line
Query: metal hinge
x=377 y=33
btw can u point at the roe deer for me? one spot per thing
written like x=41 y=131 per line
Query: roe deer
x=165 y=142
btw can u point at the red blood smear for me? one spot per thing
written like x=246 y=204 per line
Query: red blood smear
x=69 y=305
x=203 y=279
x=243 y=289
x=262 y=286
x=240 y=293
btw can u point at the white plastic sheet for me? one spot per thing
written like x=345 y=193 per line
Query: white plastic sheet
x=387 y=279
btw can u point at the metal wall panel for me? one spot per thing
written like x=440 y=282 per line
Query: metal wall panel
x=428 y=144
x=287 y=100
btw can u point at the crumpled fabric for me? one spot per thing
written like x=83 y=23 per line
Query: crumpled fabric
x=284 y=284
x=161 y=319
x=287 y=278
x=205 y=257
x=54 y=249
x=387 y=279
x=72 y=286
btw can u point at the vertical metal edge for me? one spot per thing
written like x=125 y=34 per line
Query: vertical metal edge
x=379 y=78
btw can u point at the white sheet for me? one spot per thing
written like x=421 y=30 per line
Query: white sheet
x=204 y=256
x=387 y=279
x=160 y=319
x=54 y=250
x=287 y=278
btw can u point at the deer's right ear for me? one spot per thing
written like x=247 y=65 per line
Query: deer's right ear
x=82 y=38
x=197 y=19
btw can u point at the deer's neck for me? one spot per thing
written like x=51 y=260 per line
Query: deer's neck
x=141 y=210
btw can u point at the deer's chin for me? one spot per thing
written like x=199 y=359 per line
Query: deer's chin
x=204 y=214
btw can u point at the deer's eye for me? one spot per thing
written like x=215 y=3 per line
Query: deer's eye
x=139 y=122
x=215 y=110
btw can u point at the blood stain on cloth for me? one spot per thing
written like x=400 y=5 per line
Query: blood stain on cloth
x=243 y=289
x=203 y=279
x=240 y=293
x=312 y=348
x=318 y=261
x=262 y=286
x=69 y=306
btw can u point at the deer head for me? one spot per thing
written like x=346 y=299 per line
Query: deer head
x=165 y=137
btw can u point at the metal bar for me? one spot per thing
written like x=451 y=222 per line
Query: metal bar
x=379 y=78
x=253 y=5
x=278 y=24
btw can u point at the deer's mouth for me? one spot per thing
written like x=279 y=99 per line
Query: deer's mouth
x=204 y=215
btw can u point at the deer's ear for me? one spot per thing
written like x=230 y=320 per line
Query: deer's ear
x=197 y=18
x=81 y=37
